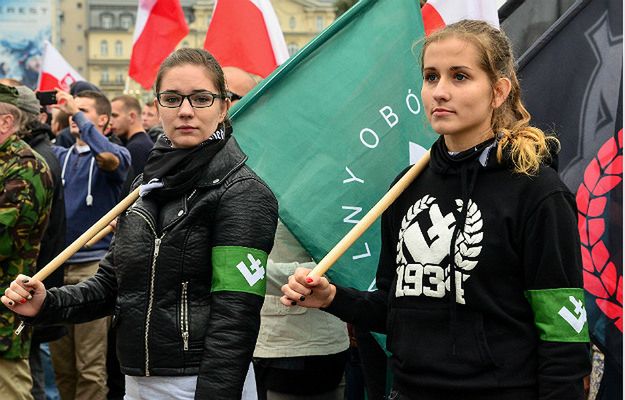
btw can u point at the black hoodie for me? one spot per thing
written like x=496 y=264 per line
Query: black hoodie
x=515 y=240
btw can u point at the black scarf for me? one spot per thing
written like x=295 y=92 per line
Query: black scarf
x=180 y=169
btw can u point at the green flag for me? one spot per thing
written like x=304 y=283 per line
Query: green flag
x=330 y=129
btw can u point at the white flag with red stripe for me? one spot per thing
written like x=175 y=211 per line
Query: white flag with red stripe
x=55 y=70
x=438 y=13
x=246 y=34
x=160 y=27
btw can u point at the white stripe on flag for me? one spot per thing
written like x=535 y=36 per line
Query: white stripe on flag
x=143 y=12
x=276 y=36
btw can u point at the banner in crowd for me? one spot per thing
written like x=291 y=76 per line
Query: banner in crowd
x=333 y=126
x=56 y=72
x=572 y=84
x=246 y=34
x=25 y=26
x=160 y=26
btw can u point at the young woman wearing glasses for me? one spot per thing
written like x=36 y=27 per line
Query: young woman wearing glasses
x=185 y=275
x=479 y=278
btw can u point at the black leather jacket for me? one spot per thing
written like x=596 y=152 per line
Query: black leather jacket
x=157 y=277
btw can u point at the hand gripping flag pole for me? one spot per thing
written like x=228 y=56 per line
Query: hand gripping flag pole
x=96 y=228
x=341 y=247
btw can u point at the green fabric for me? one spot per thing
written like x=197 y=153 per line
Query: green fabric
x=8 y=94
x=239 y=269
x=327 y=151
x=349 y=100
x=559 y=314
x=25 y=199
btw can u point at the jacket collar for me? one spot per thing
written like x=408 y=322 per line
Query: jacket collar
x=224 y=164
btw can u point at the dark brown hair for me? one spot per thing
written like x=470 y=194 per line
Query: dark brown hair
x=199 y=57
x=102 y=103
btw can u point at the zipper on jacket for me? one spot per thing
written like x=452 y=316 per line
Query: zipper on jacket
x=157 y=245
x=146 y=217
x=184 y=316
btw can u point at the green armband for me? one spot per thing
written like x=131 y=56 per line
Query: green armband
x=559 y=314
x=239 y=269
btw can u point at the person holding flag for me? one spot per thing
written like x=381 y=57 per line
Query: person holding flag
x=185 y=274
x=479 y=277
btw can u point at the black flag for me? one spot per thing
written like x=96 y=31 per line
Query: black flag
x=572 y=84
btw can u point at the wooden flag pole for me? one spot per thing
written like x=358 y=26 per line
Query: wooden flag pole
x=341 y=247
x=108 y=229
x=63 y=256
x=88 y=235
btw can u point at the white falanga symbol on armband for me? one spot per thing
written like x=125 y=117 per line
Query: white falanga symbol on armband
x=576 y=321
x=252 y=273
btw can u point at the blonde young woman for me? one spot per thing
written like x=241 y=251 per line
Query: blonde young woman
x=480 y=284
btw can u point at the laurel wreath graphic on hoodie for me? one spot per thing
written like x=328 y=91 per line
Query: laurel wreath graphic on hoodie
x=428 y=249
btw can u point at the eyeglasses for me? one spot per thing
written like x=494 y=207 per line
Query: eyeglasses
x=197 y=100
x=233 y=96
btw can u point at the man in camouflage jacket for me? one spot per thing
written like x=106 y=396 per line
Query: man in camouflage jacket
x=25 y=197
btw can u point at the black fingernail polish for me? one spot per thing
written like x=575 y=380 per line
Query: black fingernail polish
x=294 y=303
x=25 y=280
x=31 y=291
x=302 y=298
x=10 y=303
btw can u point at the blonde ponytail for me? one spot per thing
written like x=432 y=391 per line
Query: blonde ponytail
x=527 y=146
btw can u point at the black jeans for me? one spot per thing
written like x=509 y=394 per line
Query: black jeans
x=293 y=375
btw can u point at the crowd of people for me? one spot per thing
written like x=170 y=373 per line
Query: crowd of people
x=201 y=293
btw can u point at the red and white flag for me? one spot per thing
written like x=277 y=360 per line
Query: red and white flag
x=438 y=13
x=246 y=34
x=160 y=27
x=55 y=71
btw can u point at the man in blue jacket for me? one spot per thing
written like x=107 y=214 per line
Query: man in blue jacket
x=93 y=171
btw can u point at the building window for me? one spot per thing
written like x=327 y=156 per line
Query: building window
x=320 y=23
x=292 y=22
x=104 y=48
x=106 y=20
x=119 y=49
x=105 y=75
x=79 y=5
x=125 y=21
x=79 y=48
x=185 y=44
x=119 y=78
x=292 y=47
